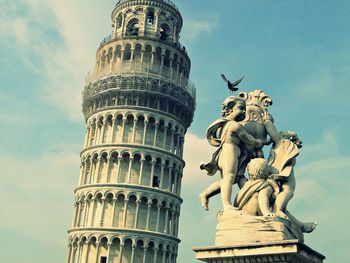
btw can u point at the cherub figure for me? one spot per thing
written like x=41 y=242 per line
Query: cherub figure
x=258 y=194
x=282 y=159
x=231 y=138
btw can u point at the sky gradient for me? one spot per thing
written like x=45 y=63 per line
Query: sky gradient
x=297 y=51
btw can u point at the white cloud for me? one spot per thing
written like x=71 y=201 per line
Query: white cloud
x=53 y=40
x=197 y=151
x=38 y=194
x=195 y=28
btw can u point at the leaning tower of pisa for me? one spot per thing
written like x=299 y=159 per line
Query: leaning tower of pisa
x=138 y=103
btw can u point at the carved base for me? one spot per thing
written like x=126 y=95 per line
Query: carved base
x=236 y=227
x=290 y=251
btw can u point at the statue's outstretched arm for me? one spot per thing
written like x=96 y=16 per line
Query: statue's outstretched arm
x=272 y=131
x=246 y=137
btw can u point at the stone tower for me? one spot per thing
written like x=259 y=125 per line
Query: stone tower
x=138 y=103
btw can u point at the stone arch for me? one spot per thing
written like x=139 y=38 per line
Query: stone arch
x=143 y=210
x=127 y=52
x=148 y=54
x=132 y=27
x=118 y=131
x=119 y=210
x=151 y=248
x=109 y=204
x=164 y=32
x=98 y=206
x=153 y=214
x=113 y=167
x=103 y=248
x=124 y=167
x=150 y=16
x=102 y=168
x=131 y=211
x=158 y=56
x=167 y=59
x=139 y=250
x=119 y=21
x=137 y=52
x=135 y=168
x=140 y=126
x=127 y=251
x=107 y=132
x=129 y=128
x=115 y=249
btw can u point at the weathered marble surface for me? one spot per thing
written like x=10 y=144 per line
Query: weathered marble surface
x=290 y=251
x=238 y=227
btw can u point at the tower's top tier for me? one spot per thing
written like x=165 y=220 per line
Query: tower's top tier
x=147 y=18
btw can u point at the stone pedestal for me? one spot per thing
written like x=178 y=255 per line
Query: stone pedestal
x=241 y=237
x=238 y=227
x=288 y=251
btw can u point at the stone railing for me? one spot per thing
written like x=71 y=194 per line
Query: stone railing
x=144 y=70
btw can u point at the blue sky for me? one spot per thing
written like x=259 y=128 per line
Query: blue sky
x=296 y=51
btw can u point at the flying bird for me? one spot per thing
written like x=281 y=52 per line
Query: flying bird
x=232 y=86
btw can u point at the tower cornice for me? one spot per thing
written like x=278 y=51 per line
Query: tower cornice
x=165 y=5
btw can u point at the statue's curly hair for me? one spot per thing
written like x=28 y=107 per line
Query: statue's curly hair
x=228 y=104
x=258 y=168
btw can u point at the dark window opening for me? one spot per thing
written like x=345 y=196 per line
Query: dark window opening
x=155 y=183
x=163 y=34
x=103 y=260
x=119 y=21
x=133 y=28
x=150 y=17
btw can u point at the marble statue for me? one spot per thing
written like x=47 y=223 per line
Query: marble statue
x=231 y=139
x=257 y=226
x=256 y=104
x=240 y=134
x=258 y=194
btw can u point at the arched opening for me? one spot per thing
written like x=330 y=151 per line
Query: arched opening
x=137 y=53
x=127 y=251
x=139 y=251
x=115 y=250
x=103 y=250
x=141 y=222
x=153 y=217
x=119 y=211
x=133 y=27
x=124 y=168
x=164 y=32
x=108 y=216
x=113 y=168
x=148 y=54
x=127 y=52
x=131 y=212
x=119 y=21
x=135 y=169
x=140 y=129
x=128 y=129
x=102 y=173
x=150 y=17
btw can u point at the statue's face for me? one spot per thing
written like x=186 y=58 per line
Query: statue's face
x=293 y=137
x=238 y=111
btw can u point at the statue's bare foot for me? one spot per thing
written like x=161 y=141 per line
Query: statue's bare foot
x=204 y=200
x=228 y=207
x=308 y=227
x=280 y=214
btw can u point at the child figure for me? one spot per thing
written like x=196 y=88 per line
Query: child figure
x=231 y=138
